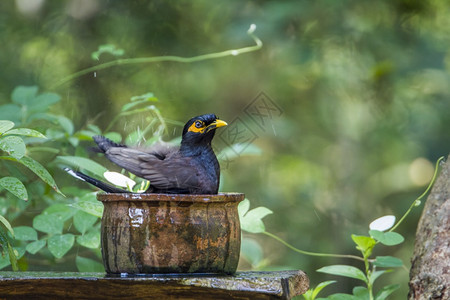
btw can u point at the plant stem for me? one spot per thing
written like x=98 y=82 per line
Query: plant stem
x=141 y=60
x=311 y=253
x=370 y=289
x=433 y=179
x=368 y=275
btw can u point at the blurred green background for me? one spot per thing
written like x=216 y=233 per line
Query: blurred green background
x=362 y=90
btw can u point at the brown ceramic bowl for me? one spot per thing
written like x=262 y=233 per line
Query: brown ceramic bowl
x=169 y=233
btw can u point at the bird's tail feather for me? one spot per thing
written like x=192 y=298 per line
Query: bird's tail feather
x=101 y=185
x=104 y=143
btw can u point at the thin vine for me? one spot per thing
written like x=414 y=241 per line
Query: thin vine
x=141 y=60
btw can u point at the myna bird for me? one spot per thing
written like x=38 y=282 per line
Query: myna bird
x=191 y=168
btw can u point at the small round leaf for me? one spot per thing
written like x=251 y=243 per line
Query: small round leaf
x=59 y=245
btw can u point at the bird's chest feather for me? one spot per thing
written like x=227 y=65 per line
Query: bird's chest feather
x=206 y=167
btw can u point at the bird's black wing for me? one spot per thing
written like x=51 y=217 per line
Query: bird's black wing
x=162 y=166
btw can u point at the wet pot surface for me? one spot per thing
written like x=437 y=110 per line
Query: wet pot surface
x=164 y=233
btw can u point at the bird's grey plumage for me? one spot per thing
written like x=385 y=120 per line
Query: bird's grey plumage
x=164 y=166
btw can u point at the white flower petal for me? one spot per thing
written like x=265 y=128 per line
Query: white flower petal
x=383 y=223
x=119 y=179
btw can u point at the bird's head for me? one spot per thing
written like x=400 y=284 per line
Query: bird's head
x=201 y=129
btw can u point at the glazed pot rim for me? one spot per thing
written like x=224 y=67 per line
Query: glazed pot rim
x=154 y=197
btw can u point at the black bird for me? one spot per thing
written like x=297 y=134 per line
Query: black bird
x=191 y=168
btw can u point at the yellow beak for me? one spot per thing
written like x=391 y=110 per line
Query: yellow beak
x=216 y=124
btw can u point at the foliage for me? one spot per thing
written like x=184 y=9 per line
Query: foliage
x=252 y=222
x=12 y=143
x=6 y=243
x=48 y=231
x=312 y=293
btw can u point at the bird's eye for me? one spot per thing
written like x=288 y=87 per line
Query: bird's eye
x=198 y=124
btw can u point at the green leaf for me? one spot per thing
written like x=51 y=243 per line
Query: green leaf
x=341 y=297
x=90 y=205
x=364 y=243
x=40 y=171
x=343 y=270
x=387 y=238
x=59 y=245
x=308 y=295
x=85 y=135
x=4 y=261
x=42 y=102
x=26 y=132
x=251 y=250
x=131 y=105
x=54 y=134
x=61 y=211
x=4 y=251
x=361 y=293
x=35 y=246
x=94 y=128
x=25 y=233
x=320 y=287
x=83 y=163
x=75 y=191
x=114 y=136
x=90 y=240
x=377 y=274
x=73 y=141
x=13 y=145
x=42 y=116
x=48 y=223
x=12 y=258
x=24 y=95
x=5 y=125
x=66 y=124
x=252 y=220
x=83 y=221
x=14 y=186
x=11 y=112
x=386 y=291
x=6 y=224
x=387 y=261
x=4 y=243
x=88 y=265
x=4 y=238
x=243 y=207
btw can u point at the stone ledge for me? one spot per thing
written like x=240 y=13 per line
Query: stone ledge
x=72 y=285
